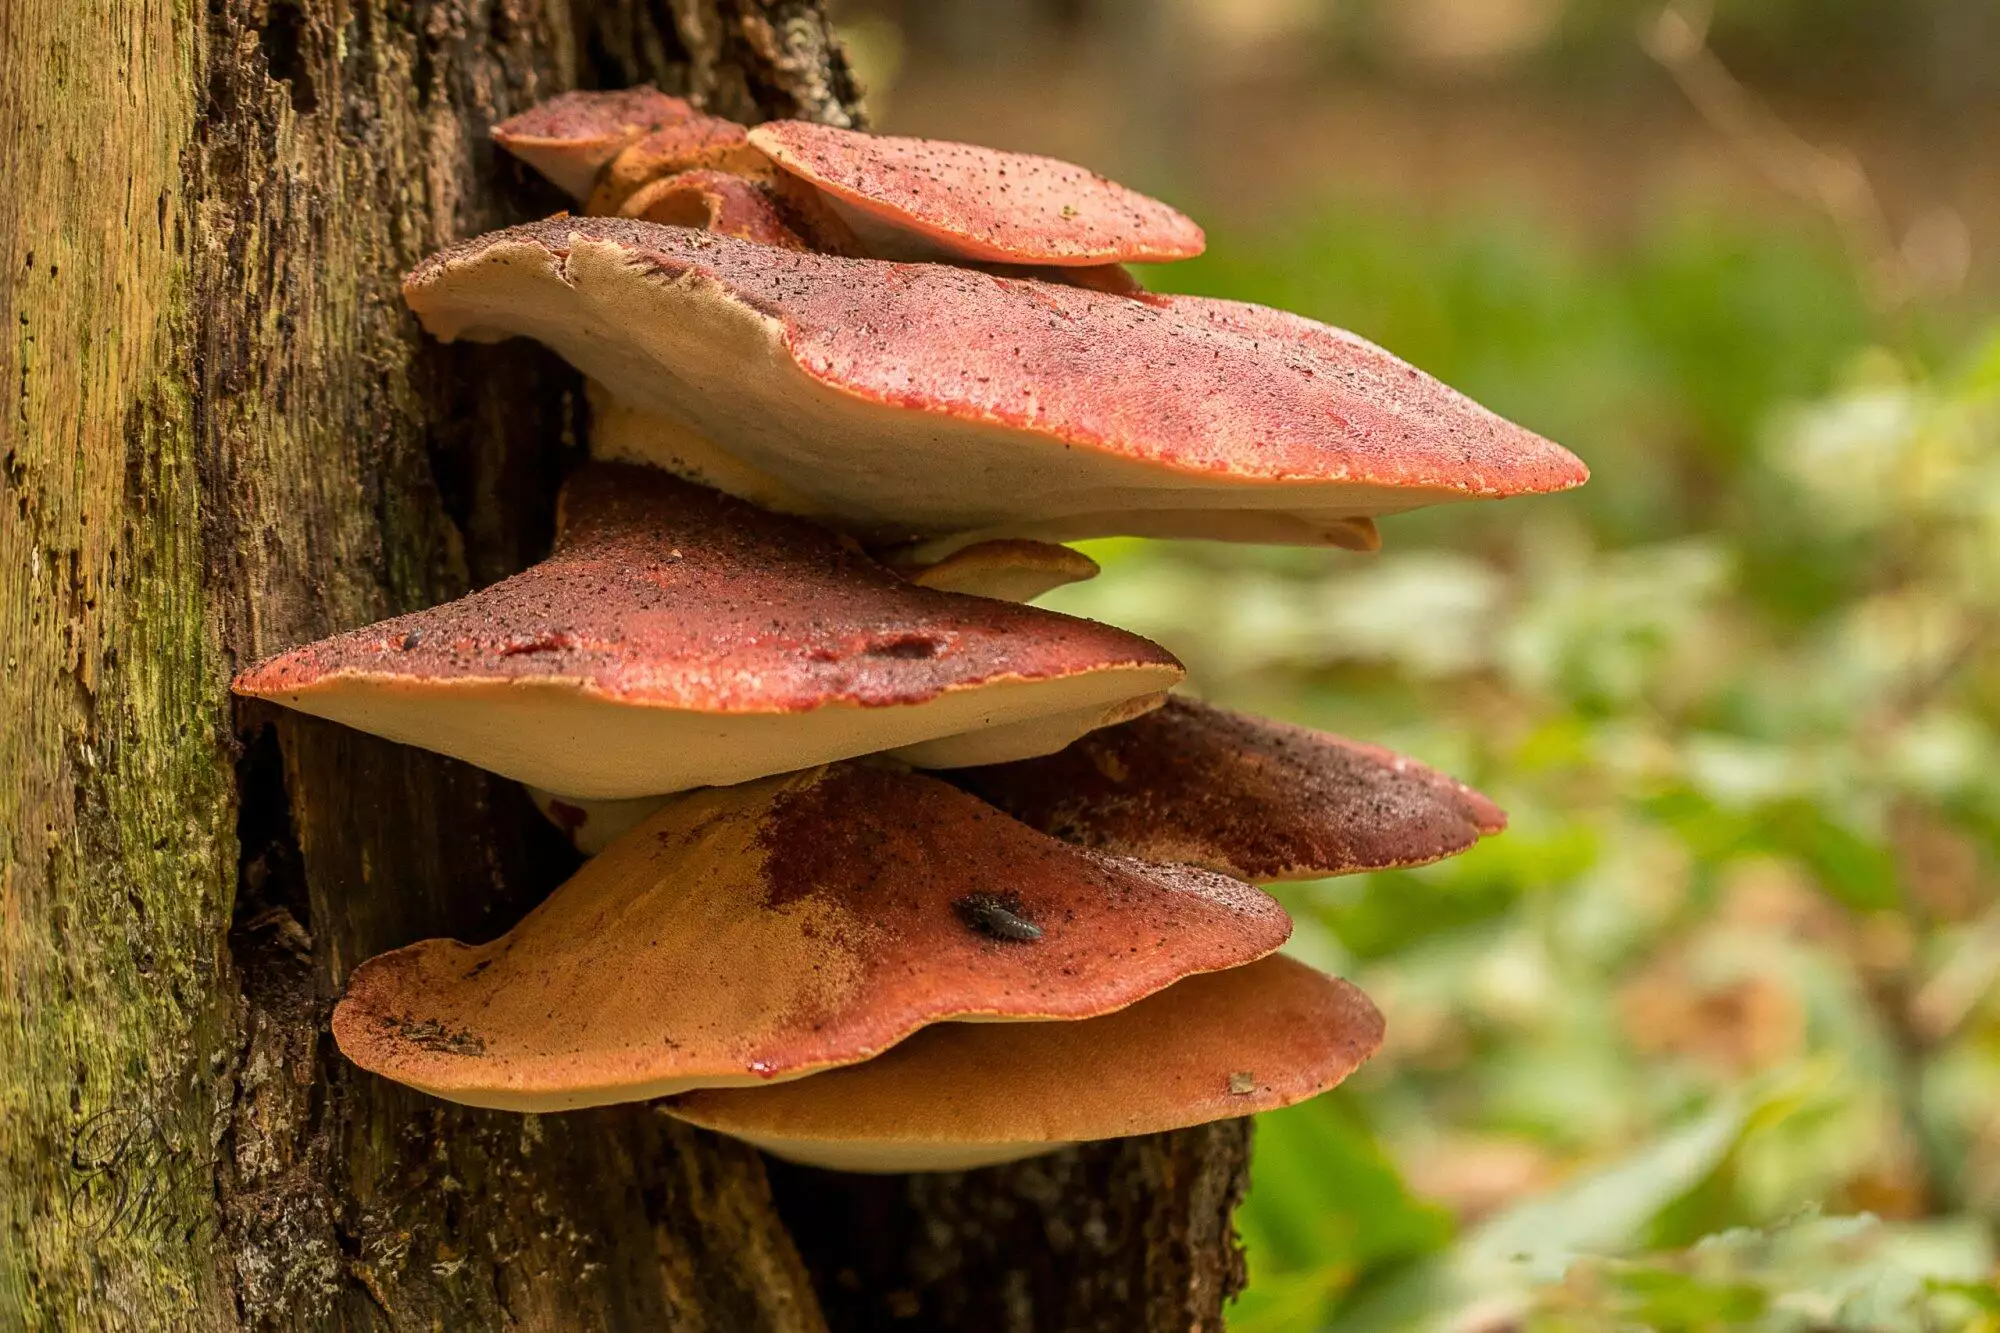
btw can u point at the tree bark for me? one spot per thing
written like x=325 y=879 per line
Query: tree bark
x=1133 y=1234
x=225 y=436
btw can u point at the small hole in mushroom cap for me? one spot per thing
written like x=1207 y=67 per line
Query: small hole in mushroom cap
x=907 y=647
x=553 y=641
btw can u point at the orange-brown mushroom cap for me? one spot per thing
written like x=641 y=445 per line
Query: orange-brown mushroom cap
x=1261 y=800
x=748 y=934
x=915 y=400
x=677 y=638
x=927 y=199
x=1212 y=1047
x=572 y=136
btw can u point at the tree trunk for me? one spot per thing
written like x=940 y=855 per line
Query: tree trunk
x=225 y=436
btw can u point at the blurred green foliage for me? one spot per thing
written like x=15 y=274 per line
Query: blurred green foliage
x=1710 y=1038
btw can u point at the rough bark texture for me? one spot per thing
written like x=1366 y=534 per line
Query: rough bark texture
x=1102 y=1239
x=222 y=436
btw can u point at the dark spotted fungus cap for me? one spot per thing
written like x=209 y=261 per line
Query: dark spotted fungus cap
x=961 y=1095
x=922 y=400
x=572 y=136
x=1261 y=800
x=749 y=934
x=931 y=199
x=677 y=638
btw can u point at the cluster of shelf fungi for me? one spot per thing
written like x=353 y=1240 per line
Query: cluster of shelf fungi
x=890 y=870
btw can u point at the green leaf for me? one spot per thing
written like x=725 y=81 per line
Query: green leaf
x=1326 y=1208
x=1536 y=1241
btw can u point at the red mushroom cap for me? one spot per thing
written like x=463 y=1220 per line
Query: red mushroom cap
x=926 y=400
x=1214 y=1047
x=1192 y=784
x=677 y=637
x=570 y=137
x=761 y=932
x=1261 y=800
x=926 y=198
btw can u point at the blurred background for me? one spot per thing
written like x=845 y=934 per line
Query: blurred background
x=1710 y=1039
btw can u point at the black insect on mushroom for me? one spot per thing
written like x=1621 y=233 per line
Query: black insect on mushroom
x=998 y=916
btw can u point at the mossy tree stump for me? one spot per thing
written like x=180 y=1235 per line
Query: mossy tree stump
x=223 y=436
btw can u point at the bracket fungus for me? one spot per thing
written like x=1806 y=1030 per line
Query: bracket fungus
x=904 y=401
x=929 y=199
x=851 y=193
x=573 y=136
x=1194 y=784
x=677 y=637
x=840 y=960
x=1223 y=1044
x=749 y=934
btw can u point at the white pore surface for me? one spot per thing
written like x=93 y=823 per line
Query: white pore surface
x=574 y=172
x=568 y=739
